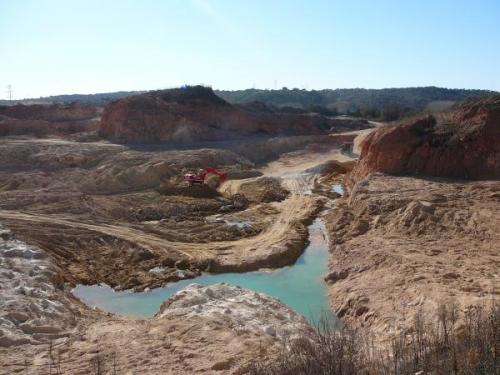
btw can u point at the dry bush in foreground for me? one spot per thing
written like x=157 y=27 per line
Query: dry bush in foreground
x=453 y=343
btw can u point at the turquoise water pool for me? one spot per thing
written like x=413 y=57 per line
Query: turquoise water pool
x=300 y=286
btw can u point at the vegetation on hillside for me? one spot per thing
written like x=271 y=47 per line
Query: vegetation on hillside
x=385 y=104
x=452 y=343
x=95 y=99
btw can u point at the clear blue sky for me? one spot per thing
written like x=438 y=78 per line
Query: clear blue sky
x=85 y=46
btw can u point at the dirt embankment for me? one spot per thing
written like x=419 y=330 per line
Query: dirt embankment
x=461 y=143
x=268 y=150
x=219 y=329
x=194 y=114
x=110 y=213
x=264 y=189
x=95 y=212
x=48 y=120
x=216 y=329
x=401 y=245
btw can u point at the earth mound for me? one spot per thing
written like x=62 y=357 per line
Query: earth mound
x=53 y=112
x=34 y=309
x=462 y=143
x=42 y=120
x=226 y=302
x=263 y=190
x=402 y=246
x=194 y=114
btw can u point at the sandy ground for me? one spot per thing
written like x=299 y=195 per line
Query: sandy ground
x=209 y=330
x=402 y=245
x=290 y=169
x=97 y=207
x=278 y=244
x=92 y=238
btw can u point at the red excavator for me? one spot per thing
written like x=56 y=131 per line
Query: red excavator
x=210 y=176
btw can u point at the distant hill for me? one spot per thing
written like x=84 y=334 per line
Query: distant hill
x=95 y=99
x=384 y=104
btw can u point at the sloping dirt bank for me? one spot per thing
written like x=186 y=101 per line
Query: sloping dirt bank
x=405 y=245
x=98 y=209
x=409 y=243
x=216 y=329
x=278 y=245
x=114 y=247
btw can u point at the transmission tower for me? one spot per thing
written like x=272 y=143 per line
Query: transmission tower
x=9 y=92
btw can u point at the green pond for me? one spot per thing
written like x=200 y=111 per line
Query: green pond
x=300 y=285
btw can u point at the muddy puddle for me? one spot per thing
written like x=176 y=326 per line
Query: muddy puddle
x=300 y=286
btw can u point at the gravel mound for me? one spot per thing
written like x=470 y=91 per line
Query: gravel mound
x=245 y=309
x=33 y=310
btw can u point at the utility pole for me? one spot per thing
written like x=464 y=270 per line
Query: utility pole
x=9 y=92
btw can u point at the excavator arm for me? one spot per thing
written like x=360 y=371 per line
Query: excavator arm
x=210 y=170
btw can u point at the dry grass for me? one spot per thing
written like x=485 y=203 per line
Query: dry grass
x=452 y=343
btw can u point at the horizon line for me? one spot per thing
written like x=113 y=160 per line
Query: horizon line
x=253 y=88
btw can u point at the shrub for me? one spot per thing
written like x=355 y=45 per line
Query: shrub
x=452 y=343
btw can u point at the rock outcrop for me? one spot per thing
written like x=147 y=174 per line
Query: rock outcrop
x=196 y=114
x=462 y=143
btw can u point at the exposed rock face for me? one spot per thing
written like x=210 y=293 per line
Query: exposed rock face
x=462 y=143
x=194 y=114
x=244 y=309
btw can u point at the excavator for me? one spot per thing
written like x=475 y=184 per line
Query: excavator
x=208 y=175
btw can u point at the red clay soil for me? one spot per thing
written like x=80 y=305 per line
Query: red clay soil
x=194 y=114
x=463 y=143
